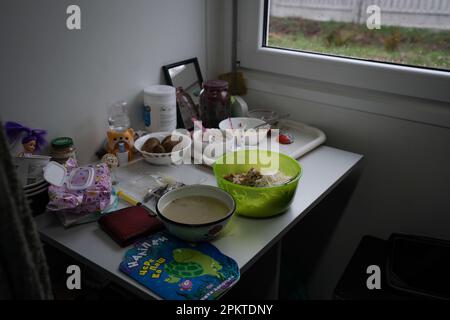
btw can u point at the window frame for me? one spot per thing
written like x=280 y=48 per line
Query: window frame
x=430 y=84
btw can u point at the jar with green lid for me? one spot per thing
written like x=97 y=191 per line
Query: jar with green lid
x=62 y=149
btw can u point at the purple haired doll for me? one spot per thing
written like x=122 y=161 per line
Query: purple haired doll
x=32 y=141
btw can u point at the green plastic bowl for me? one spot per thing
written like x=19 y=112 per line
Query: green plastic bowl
x=258 y=202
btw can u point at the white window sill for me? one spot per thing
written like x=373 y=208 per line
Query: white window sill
x=363 y=100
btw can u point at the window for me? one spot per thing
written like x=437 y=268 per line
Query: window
x=406 y=32
x=322 y=52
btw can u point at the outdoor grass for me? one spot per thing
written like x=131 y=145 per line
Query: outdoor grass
x=409 y=46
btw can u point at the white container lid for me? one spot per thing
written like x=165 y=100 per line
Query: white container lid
x=160 y=91
x=56 y=174
x=160 y=95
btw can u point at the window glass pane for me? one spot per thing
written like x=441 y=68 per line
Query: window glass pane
x=407 y=32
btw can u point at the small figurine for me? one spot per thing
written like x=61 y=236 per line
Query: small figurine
x=32 y=141
x=115 y=137
x=111 y=160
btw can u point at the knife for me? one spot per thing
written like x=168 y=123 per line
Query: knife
x=129 y=199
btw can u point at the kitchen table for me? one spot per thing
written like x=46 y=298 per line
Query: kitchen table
x=245 y=240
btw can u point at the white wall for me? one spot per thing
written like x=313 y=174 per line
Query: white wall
x=404 y=186
x=219 y=39
x=62 y=80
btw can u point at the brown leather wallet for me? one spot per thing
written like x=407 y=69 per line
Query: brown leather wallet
x=128 y=224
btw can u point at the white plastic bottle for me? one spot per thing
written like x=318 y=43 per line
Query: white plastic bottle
x=118 y=117
x=160 y=108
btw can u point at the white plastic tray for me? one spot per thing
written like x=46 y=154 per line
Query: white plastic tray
x=306 y=138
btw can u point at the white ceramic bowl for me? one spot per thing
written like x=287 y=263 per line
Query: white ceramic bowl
x=177 y=155
x=196 y=232
x=243 y=129
x=214 y=143
x=210 y=136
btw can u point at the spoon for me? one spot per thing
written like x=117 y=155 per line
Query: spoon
x=272 y=122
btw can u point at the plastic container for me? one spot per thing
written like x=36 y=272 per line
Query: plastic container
x=419 y=266
x=257 y=202
x=78 y=179
x=118 y=117
x=122 y=154
x=215 y=103
x=160 y=108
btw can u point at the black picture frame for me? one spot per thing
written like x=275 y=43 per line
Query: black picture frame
x=169 y=81
x=177 y=64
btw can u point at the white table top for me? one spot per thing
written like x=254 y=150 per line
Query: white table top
x=244 y=239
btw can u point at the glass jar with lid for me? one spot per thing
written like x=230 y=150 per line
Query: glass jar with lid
x=62 y=149
x=215 y=103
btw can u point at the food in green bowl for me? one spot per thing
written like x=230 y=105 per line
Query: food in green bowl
x=263 y=183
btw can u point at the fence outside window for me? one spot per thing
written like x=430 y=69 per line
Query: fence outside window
x=434 y=14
